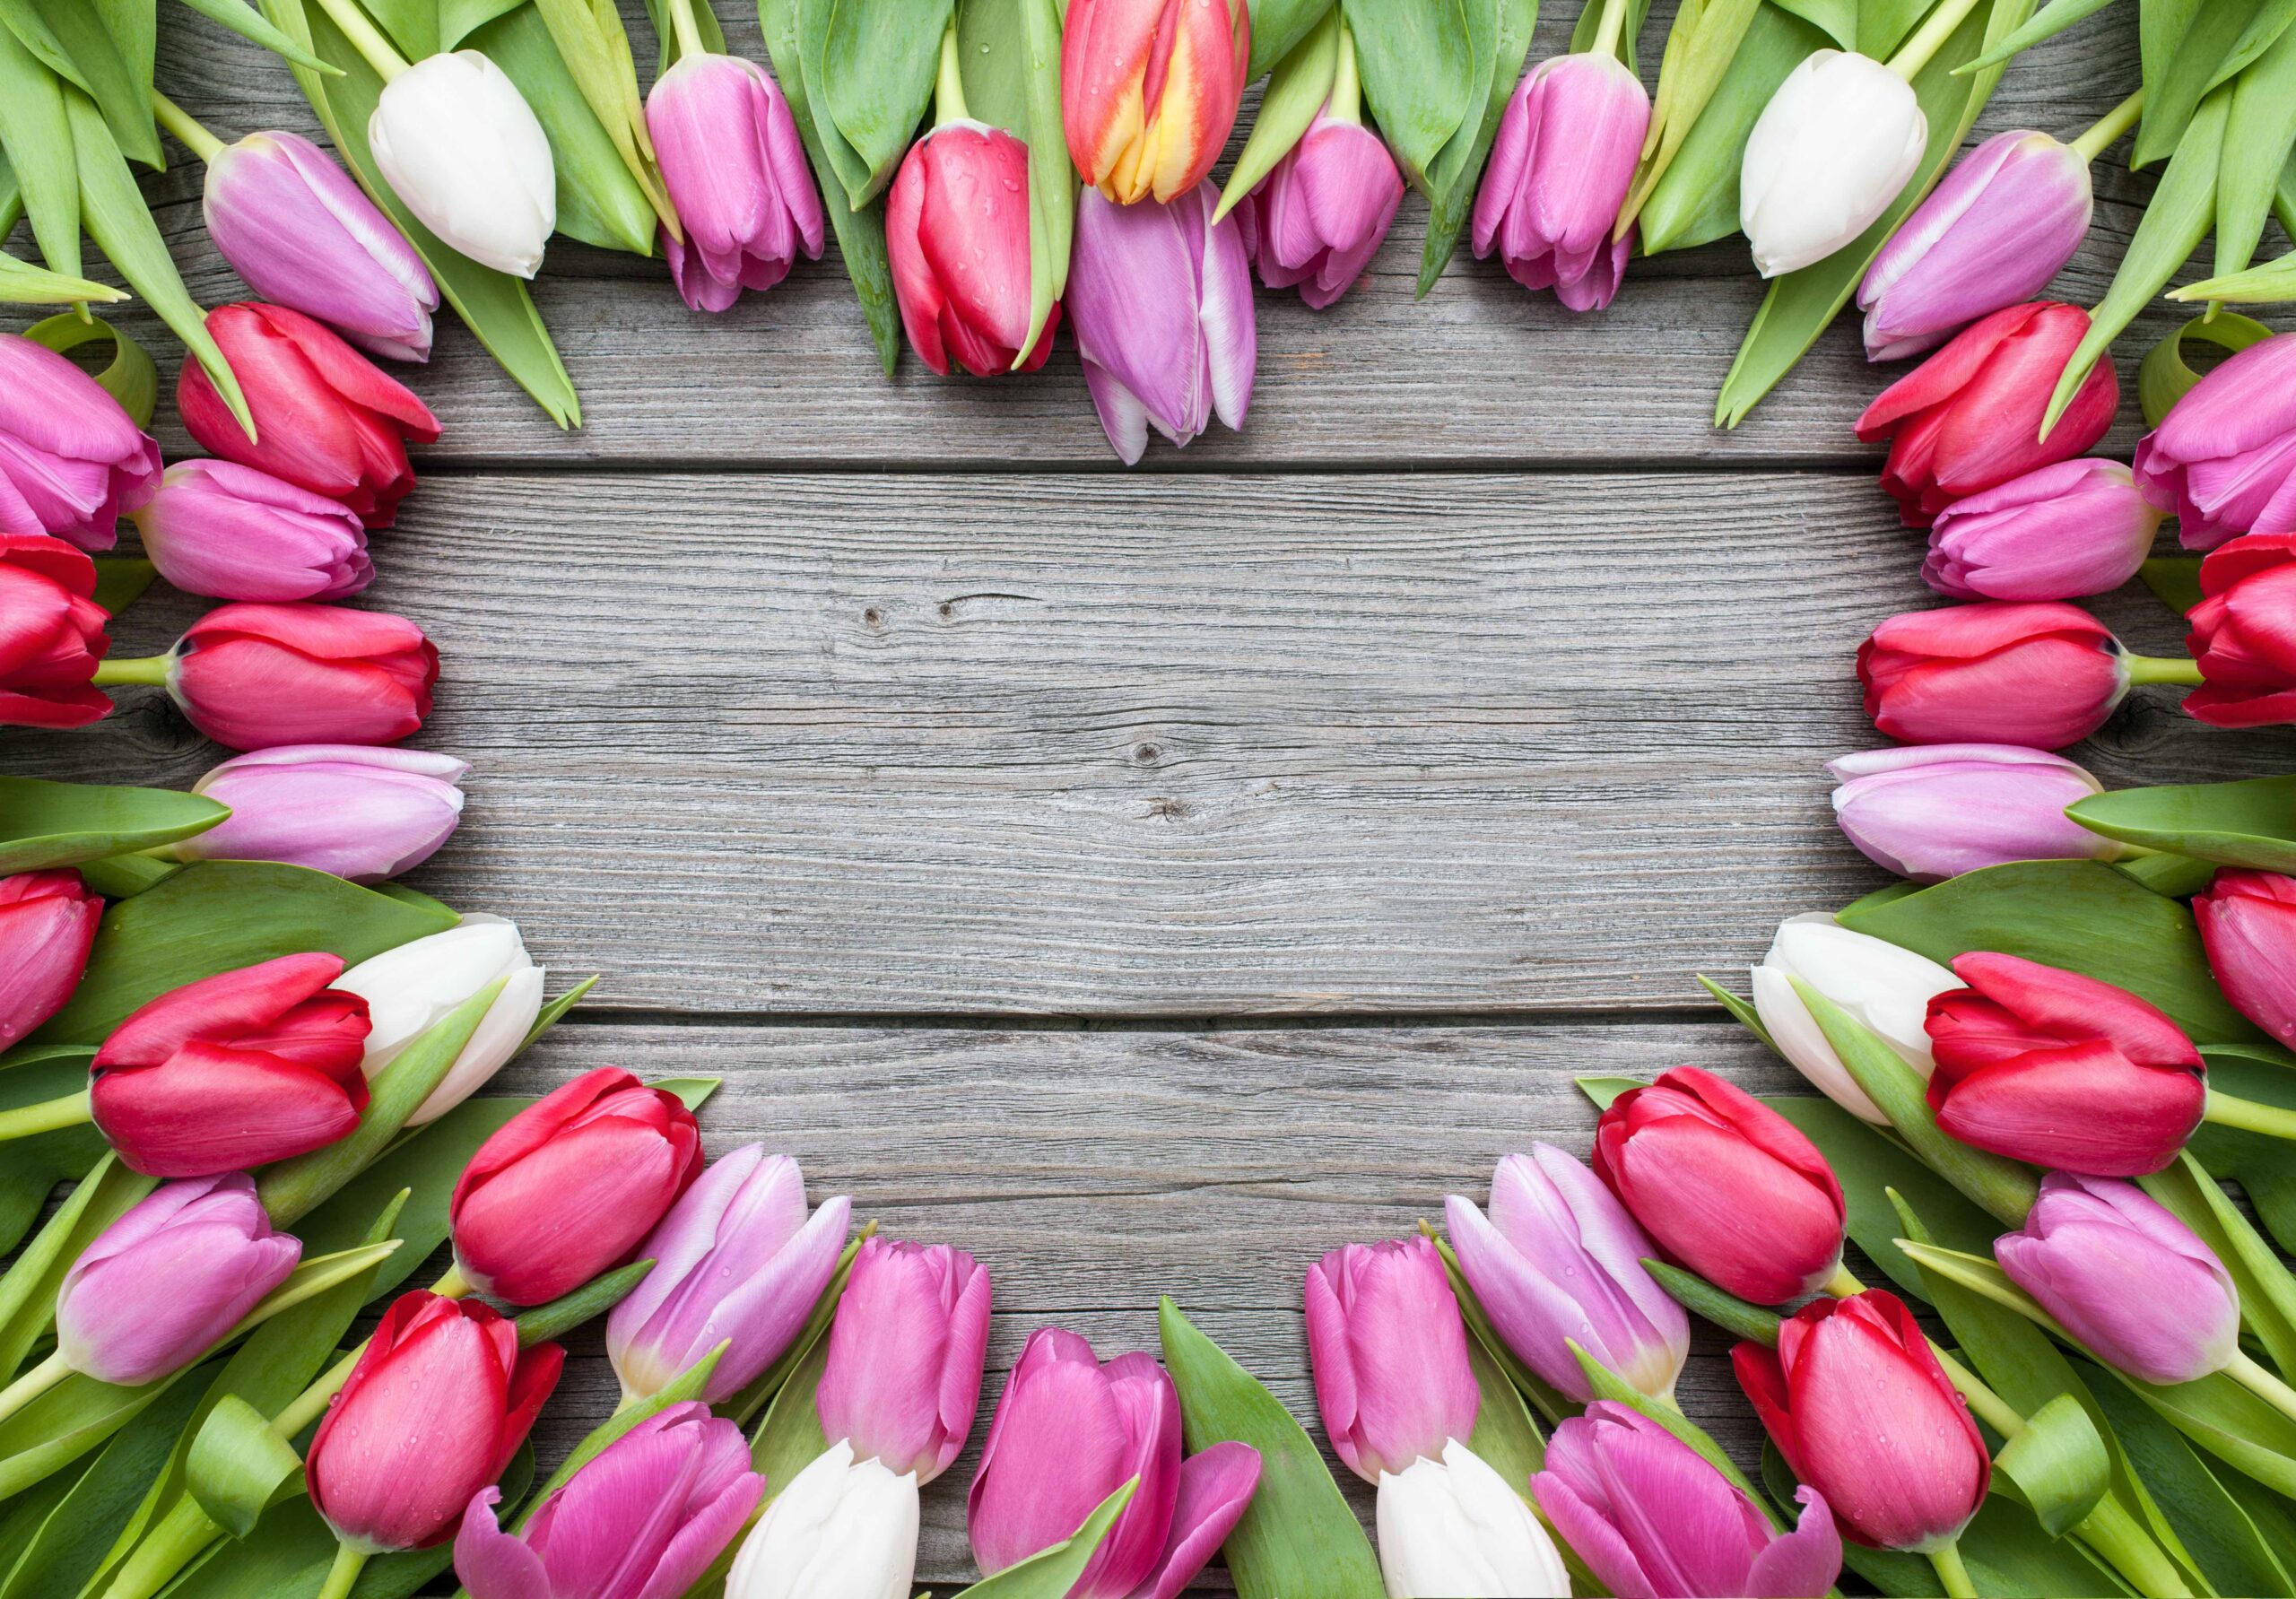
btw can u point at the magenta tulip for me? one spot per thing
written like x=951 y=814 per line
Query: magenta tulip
x=1389 y=1353
x=1314 y=222
x=358 y=811
x=2247 y=925
x=1931 y=811
x=71 y=460
x=2224 y=458
x=956 y=241
x=234 y=532
x=47 y=926
x=737 y=175
x=2243 y=634
x=2044 y=676
x=2074 y=528
x=1565 y=156
x=258 y=676
x=902 y=1381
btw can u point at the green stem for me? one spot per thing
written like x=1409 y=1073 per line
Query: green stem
x=2115 y=123
x=343 y=1575
x=2113 y=1533
x=180 y=122
x=1954 y=1575
x=366 y=38
x=1345 y=103
x=2168 y=669
x=146 y=669
x=2249 y=1116
x=1843 y=1284
x=2263 y=1384
x=166 y=1550
x=1614 y=24
x=1915 y=53
x=34 y=1383
x=1984 y=1405
x=688 y=31
x=71 y=1110
x=949 y=87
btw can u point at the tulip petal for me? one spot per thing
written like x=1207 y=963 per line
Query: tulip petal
x=1803 y=1563
x=489 y=1561
x=1215 y=1489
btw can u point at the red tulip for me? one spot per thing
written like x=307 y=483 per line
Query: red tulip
x=1855 y=1401
x=2244 y=633
x=234 y=1071
x=2247 y=925
x=2042 y=675
x=1726 y=1186
x=2061 y=1070
x=440 y=1400
x=51 y=634
x=258 y=676
x=568 y=1188
x=1969 y=417
x=1149 y=90
x=326 y=419
x=47 y=926
x=957 y=230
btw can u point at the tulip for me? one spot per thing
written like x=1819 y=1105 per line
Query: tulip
x=234 y=1071
x=736 y=173
x=1160 y=297
x=1315 y=220
x=1069 y=1432
x=1727 y=1187
x=2242 y=637
x=642 y=1520
x=1456 y=1529
x=2075 y=528
x=843 y=1529
x=255 y=677
x=1836 y=144
x=162 y=1286
x=2131 y=1282
x=1559 y=170
x=1389 y=1355
x=1651 y=1518
x=360 y=812
x=735 y=1259
x=2248 y=926
x=2224 y=457
x=1149 y=90
x=218 y=528
x=566 y=1188
x=51 y=634
x=1886 y=988
x=902 y=1380
x=440 y=1401
x=411 y=990
x=456 y=140
x=1992 y=235
x=1969 y=417
x=301 y=233
x=1855 y=1401
x=47 y=926
x=1560 y=1262
x=1935 y=811
x=2039 y=675
x=2061 y=1070
x=957 y=234
x=71 y=460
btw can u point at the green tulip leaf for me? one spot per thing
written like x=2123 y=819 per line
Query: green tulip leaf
x=38 y=136
x=130 y=379
x=2265 y=1167
x=2175 y=579
x=1418 y=62
x=2246 y=823
x=44 y=825
x=246 y=22
x=456 y=21
x=1741 y=1009
x=1050 y=1573
x=2057 y=1464
x=1459 y=169
x=1700 y=48
x=1277 y=28
x=2258 y=134
x=2218 y=41
x=2051 y=21
x=1695 y=200
x=1726 y=1311
x=28 y=1292
x=813 y=23
x=2245 y=1432
x=62 y=1424
x=34 y=1166
x=790 y=1437
x=1009 y=61
x=713 y=36
x=238 y=1464
x=572 y=1309
x=114 y=73
x=1297 y=89
x=1588 y=28
x=878 y=59
x=1504 y=1436
x=2197 y=1504
x=24 y=284
x=594 y=47
x=1604 y=1091
x=2273 y=282
x=1446 y=174
x=1836 y=19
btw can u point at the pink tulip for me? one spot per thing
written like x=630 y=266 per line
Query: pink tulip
x=957 y=236
x=738 y=174
x=1564 y=159
x=219 y=528
x=360 y=812
x=1931 y=811
x=258 y=676
x=51 y=634
x=2040 y=675
x=1314 y=222
x=2243 y=633
x=2247 y=925
x=2224 y=458
x=71 y=460
x=2074 y=528
x=902 y=1380
x=47 y=926
x=1389 y=1353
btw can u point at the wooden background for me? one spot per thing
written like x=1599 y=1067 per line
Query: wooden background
x=1150 y=880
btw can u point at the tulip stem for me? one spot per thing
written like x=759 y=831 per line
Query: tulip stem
x=2245 y=1371
x=368 y=42
x=143 y=669
x=1952 y=1572
x=949 y=87
x=681 y=23
x=343 y=1575
x=2110 y=126
x=1843 y=1284
x=1614 y=24
x=34 y=1383
x=164 y=1551
x=1915 y=53
x=2272 y=1121
x=2168 y=669
x=1345 y=102
x=71 y=1110
x=180 y=122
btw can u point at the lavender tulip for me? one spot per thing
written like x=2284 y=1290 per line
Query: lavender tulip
x=1559 y=170
x=1653 y=1520
x=1389 y=1353
x=737 y=1259
x=2074 y=528
x=1931 y=811
x=2126 y=1278
x=413 y=988
x=642 y=1520
x=2223 y=460
x=1558 y=1261
x=902 y=1380
x=232 y=533
x=360 y=812
x=162 y=1284
x=1161 y=297
x=1314 y=222
x=71 y=460
x=737 y=175
x=1883 y=986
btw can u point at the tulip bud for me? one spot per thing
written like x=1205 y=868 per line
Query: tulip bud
x=2075 y=528
x=1149 y=90
x=162 y=1286
x=2247 y=925
x=2224 y=457
x=2039 y=675
x=54 y=635
x=1160 y=297
x=1885 y=988
x=411 y=990
x=1316 y=220
x=1991 y=235
x=456 y=140
x=2132 y=1283
x=1389 y=1354
x=1837 y=143
x=957 y=237
x=2244 y=634
x=2061 y=1070
x=218 y=528
x=1649 y=1515
x=1935 y=811
x=301 y=233
x=1560 y=1262
x=47 y=926
x=255 y=677
x=842 y=1529
x=566 y=1188
x=440 y=1401
x=1855 y=1401
x=736 y=1259
x=360 y=812
x=235 y=1071
x=71 y=459
x=1453 y=1529
x=902 y=1380
x=738 y=174
x=1564 y=158
x=1727 y=1187
x=644 y=1519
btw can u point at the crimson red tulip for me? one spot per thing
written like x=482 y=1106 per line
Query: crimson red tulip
x=2043 y=676
x=258 y=676
x=325 y=418
x=2244 y=633
x=1969 y=417
x=51 y=634
x=957 y=233
x=568 y=1188
x=1726 y=1186
x=2247 y=925
x=47 y=926
x=234 y=1071
x=2061 y=1070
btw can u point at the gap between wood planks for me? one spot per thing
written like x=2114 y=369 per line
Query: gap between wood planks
x=1158 y=1022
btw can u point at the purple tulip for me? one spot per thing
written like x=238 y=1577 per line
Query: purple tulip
x=738 y=174
x=71 y=460
x=162 y=1285
x=644 y=1519
x=903 y=1377
x=2126 y=1278
x=2223 y=460
x=1161 y=297
x=360 y=811
x=303 y=235
x=1560 y=1261
x=1069 y=1432
x=1931 y=811
x=1389 y=1354
x=1991 y=236
x=1316 y=220
x=1652 y=1520
x=735 y=1258
x=232 y=533
x=2058 y=532
x=1559 y=170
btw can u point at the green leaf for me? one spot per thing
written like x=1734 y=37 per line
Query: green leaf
x=24 y=284
x=29 y=1290
x=2174 y=578
x=1589 y=27
x=1446 y=174
x=549 y=1014
x=2175 y=875
x=238 y=1464
x=1009 y=61
x=1726 y=1311
x=130 y=379
x=38 y=135
x=790 y=1438
x=2223 y=1537
x=458 y=19
x=413 y=25
x=1699 y=49
x=2267 y=1292
x=2220 y=39
x=814 y=26
x=2248 y=823
x=44 y=824
x=121 y=580
x=713 y=36
x=1743 y=1011
x=2051 y=21
x=1604 y=1091
x=1504 y=1437
x=1277 y=28
x=1450 y=208
x=1836 y=19
x=2265 y=1167
x=1050 y=1573
x=121 y=87
x=569 y=1310
x=743 y=1407
x=33 y=1075
x=2236 y=1426
x=1696 y=202
x=2273 y=282
x=1296 y=90
x=878 y=59
x=2165 y=377
x=245 y=21
x=1418 y=63
x=2258 y=134
x=596 y=50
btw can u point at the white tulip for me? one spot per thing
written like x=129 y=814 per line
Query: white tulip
x=1454 y=1530
x=843 y=1529
x=1887 y=988
x=413 y=987
x=457 y=141
x=1837 y=142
